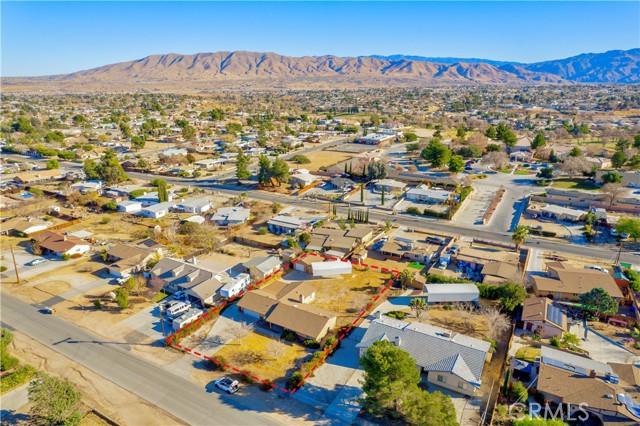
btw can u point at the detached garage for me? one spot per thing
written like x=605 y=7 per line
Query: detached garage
x=451 y=293
x=333 y=267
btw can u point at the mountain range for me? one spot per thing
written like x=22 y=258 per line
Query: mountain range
x=616 y=66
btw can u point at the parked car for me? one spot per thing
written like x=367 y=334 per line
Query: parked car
x=613 y=232
x=178 y=295
x=48 y=310
x=37 y=261
x=227 y=385
x=625 y=235
x=596 y=268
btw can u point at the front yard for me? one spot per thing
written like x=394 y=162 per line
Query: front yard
x=262 y=356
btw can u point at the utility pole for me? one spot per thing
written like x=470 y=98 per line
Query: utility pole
x=162 y=323
x=15 y=266
x=619 y=253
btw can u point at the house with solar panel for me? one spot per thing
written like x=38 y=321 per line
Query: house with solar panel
x=449 y=360
x=541 y=316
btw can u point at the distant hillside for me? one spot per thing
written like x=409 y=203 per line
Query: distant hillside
x=254 y=69
x=615 y=66
x=442 y=60
x=255 y=65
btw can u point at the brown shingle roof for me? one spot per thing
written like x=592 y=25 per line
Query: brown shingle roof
x=57 y=243
x=537 y=309
x=302 y=319
x=578 y=281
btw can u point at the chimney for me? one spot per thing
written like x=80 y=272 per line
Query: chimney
x=301 y=298
x=378 y=314
x=397 y=341
x=193 y=260
x=593 y=374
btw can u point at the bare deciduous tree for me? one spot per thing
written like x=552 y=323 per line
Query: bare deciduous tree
x=575 y=165
x=499 y=160
x=612 y=191
x=498 y=323
x=240 y=329
x=275 y=349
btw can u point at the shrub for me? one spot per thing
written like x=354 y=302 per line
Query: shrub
x=555 y=342
x=17 y=378
x=266 y=386
x=66 y=256
x=296 y=380
x=440 y=279
x=413 y=210
x=518 y=392
x=137 y=193
x=36 y=191
x=105 y=220
x=433 y=213
x=219 y=365
x=396 y=314
x=3 y=268
x=97 y=304
x=311 y=343
x=288 y=335
x=330 y=342
x=447 y=307
x=111 y=205
x=7 y=361
x=246 y=378
x=262 y=230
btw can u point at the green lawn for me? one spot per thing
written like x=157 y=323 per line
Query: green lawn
x=416 y=265
x=159 y=296
x=507 y=171
x=521 y=172
x=527 y=353
x=574 y=183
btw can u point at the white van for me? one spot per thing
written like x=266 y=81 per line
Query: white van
x=178 y=309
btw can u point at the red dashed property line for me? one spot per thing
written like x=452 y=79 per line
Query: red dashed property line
x=327 y=351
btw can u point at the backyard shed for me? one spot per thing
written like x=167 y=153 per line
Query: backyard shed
x=452 y=293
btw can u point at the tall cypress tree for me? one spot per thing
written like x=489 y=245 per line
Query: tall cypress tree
x=382 y=201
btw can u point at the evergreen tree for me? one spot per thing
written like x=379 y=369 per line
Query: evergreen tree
x=264 y=170
x=382 y=197
x=242 y=166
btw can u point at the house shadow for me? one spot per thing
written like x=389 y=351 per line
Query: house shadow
x=10 y=417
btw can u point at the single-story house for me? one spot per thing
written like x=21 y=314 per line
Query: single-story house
x=539 y=313
x=342 y=184
x=194 y=205
x=302 y=177
x=27 y=178
x=127 y=259
x=210 y=164
x=156 y=211
x=496 y=272
x=450 y=360
x=451 y=293
x=231 y=216
x=199 y=284
x=389 y=185
x=151 y=198
x=521 y=156
x=54 y=243
x=306 y=263
x=24 y=227
x=261 y=267
x=375 y=139
x=558 y=212
x=130 y=206
x=284 y=306
x=565 y=282
x=423 y=194
x=284 y=224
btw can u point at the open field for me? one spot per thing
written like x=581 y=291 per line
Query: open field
x=324 y=159
x=574 y=183
x=348 y=294
x=263 y=356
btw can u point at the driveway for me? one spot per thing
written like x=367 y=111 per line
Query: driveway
x=601 y=349
x=475 y=205
x=12 y=402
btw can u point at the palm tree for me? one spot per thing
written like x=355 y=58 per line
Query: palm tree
x=418 y=306
x=520 y=235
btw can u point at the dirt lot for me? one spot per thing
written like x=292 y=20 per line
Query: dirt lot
x=348 y=295
x=374 y=258
x=320 y=159
x=98 y=392
x=263 y=356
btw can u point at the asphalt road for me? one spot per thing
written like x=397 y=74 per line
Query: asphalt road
x=172 y=393
x=605 y=253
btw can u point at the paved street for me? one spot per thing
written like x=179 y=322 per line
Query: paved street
x=170 y=392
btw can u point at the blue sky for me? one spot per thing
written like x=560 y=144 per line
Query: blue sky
x=42 y=38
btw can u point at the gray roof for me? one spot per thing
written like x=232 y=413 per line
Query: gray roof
x=572 y=362
x=231 y=214
x=263 y=264
x=286 y=221
x=431 y=347
x=195 y=202
x=187 y=276
x=159 y=207
x=435 y=194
